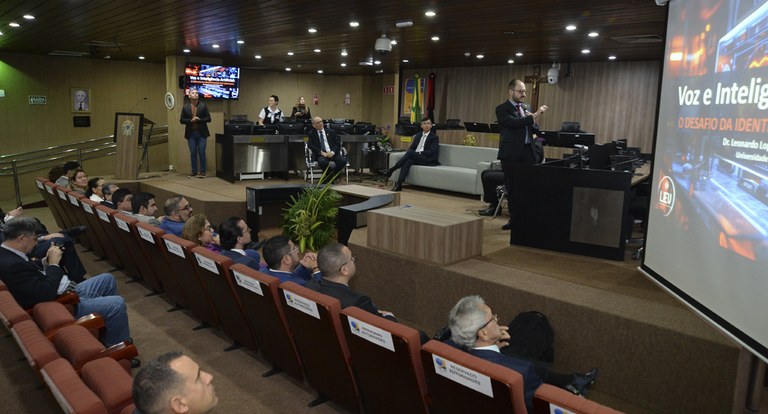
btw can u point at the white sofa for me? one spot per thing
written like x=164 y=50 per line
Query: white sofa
x=459 y=169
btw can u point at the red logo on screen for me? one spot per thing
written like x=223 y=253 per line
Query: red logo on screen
x=666 y=190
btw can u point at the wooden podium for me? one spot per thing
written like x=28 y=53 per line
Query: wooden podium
x=129 y=128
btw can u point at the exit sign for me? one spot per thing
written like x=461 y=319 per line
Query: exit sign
x=38 y=99
x=389 y=90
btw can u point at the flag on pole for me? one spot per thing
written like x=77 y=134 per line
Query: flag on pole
x=416 y=106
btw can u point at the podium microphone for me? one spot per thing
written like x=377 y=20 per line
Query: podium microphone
x=137 y=103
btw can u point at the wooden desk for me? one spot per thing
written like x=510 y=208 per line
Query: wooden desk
x=432 y=236
x=361 y=193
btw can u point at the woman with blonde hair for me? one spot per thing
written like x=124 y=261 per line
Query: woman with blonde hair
x=78 y=181
x=198 y=229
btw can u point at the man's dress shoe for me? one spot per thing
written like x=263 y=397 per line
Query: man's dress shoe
x=397 y=187
x=386 y=172
x=507 y=226
x=488 y=211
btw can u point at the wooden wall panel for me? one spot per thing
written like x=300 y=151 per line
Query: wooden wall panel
x=613 y=99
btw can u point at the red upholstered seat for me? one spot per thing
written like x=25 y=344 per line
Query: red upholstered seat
x=72 y=394
x=550 y=399
x=111 y=383
x=77 y=345
x=10 y=311
x=37 y=349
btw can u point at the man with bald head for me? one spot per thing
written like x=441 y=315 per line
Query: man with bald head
x=326 y=147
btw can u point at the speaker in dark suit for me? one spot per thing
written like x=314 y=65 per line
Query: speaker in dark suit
x=424 y=150
x=325 y=146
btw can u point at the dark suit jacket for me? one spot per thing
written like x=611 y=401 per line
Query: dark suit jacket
x=315 y=143
x=242 y=259
x=431 y=147
x=344 y=294
x=301 y=275
x=512 y=128
x=531 y=381
x=26 y=282
x=202 y=124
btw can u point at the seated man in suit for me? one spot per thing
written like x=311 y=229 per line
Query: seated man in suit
x=475 y=329
x=144 y=207
x=173 y=383
x=282 y=257
x=234 y=236
x=122 y=199
x=491 y=180
x=108 y=189
x=326 y=147
x=337 y=263
x=30 y=284
x=177 y=211
x=423 y=151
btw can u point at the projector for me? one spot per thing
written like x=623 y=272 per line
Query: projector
x=383 y=45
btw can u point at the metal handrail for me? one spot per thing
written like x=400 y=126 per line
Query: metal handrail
x=42 y=160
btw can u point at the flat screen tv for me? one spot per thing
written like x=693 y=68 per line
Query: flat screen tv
x=212 y=81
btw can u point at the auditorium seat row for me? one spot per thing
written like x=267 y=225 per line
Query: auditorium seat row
x=358 y=360
x=83 y=376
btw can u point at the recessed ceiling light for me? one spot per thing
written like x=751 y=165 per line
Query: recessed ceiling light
x=379 y=70
x=435 y=38
x=240 y=42
x=585 y=51
x=343 y=65
x=186 y=50
x=518 y=54
x=29 y=17
x=430 y=13
x=511 y=61
x=312 y=30
x=320 y=71
x=353 y=23
x=480 y=56
x=467 y=54
x=393 y=42
x=317 y=51
x=570 y=27
x=290 y=53
x=377 y=62
x=141 y=57
x=108 y=57
x=406 y=60
x=287 y=69
x=13 y=24
x=343 y=52
x=612 y=57
x=593 y=34
x=257 y=57
x=215 y=46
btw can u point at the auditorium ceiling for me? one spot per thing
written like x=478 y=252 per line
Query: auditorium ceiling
x=499 y=31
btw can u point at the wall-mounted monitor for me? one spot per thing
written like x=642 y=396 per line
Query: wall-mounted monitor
x=212 y=81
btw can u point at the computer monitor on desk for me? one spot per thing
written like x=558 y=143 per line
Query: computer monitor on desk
x=342 y=129
x=295 y=128
x=264 y=130
x=364 y=129
x=550 y=138
x=599 y=157
x=242 y=128
x=570 y=139
x=477 y=127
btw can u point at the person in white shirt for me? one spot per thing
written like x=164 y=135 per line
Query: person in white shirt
x=271 y=114
x=423 y=151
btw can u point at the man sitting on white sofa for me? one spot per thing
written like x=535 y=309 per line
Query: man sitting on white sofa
x=423 y=151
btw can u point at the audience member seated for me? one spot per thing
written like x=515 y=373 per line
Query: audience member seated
x=108 y=190
x=30 y=284
x=177 y=211
x=199 y=230
x=326 y=147
x=475 y=329
x=173 y=383
x=94 y=191
x=282 y=257
x=122 y=199
x=234 y=235
x=144 y=207
x=491 y=179
x=337 y=264
x=423 y=151
x=69 y=167
x=300 y=112
x=70 y=261
x=78 y=181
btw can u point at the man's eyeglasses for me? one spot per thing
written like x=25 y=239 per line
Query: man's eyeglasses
x=353 y=259
x=185 y=208
x=295 y=249
x=494 y=318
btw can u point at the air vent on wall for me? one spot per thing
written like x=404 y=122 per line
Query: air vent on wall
x=652 y=38
x=68 y=53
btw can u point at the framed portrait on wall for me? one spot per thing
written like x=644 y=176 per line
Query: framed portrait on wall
x=81 y=100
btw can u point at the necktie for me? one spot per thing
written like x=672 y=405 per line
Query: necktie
x=81 y=106
x=325 y=141
x=522 y=113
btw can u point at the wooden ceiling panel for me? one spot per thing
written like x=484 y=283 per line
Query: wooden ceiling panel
x=271 y=28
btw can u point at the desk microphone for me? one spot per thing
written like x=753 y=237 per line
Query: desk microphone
x=137 y=103
x=618 y=164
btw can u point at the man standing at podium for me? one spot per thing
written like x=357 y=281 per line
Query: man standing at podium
x=196 y=117
x=516 y=127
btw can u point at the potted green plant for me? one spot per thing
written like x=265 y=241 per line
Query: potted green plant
x=310 y=218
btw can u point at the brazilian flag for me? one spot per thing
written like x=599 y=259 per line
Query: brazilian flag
x=416 y=105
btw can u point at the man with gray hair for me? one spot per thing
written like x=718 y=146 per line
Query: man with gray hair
x=475 y=329
x=174 y=383
x=108 y=189
x=177 y=211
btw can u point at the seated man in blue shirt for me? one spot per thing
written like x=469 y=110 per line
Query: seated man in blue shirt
x=234 y=235
x=282 y=257
x=177 y=211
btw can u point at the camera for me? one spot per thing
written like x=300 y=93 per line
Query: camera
x=552 y=75
x=383 y=45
